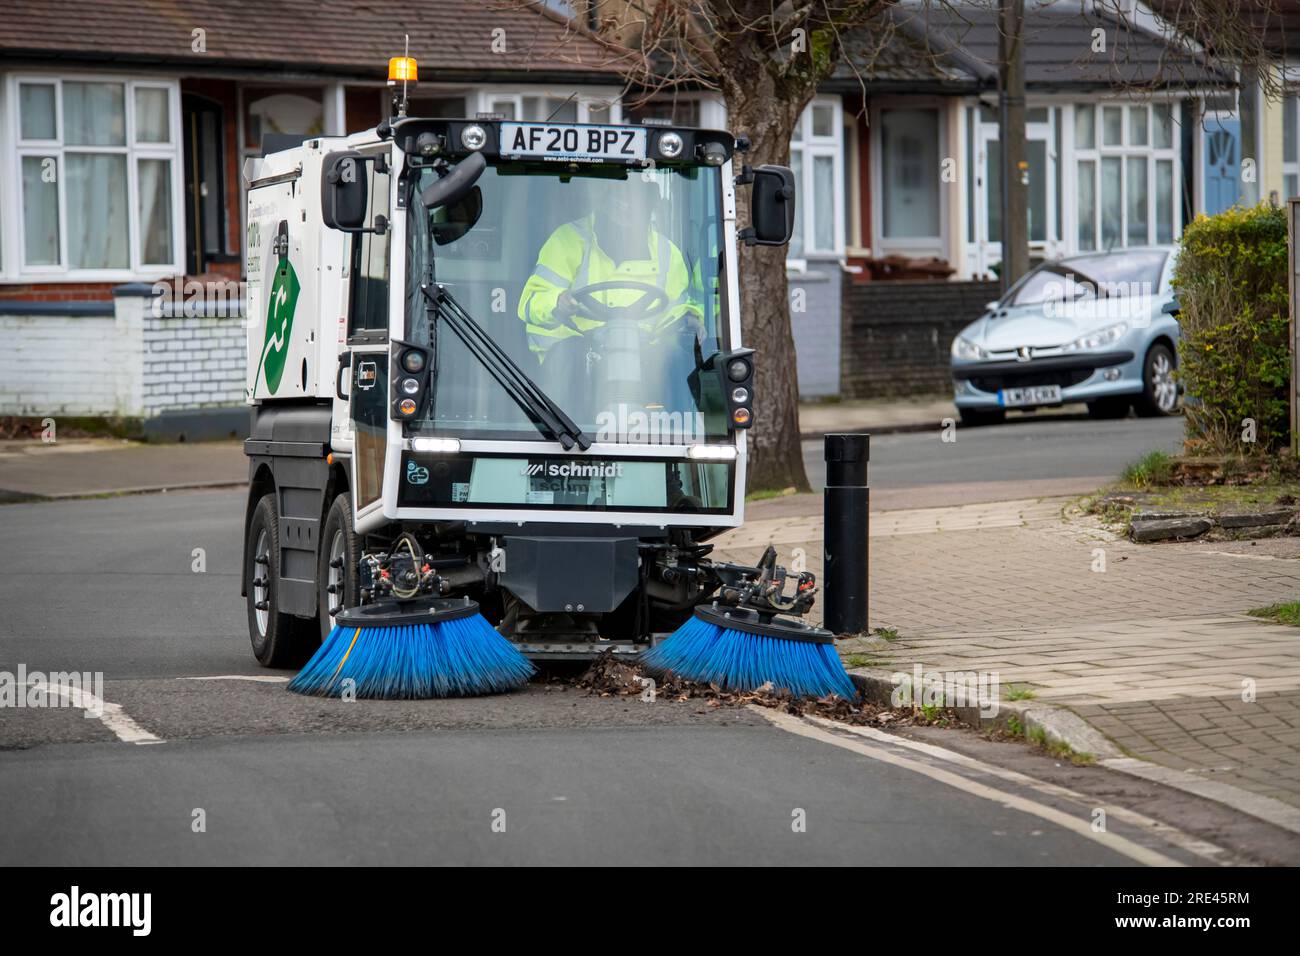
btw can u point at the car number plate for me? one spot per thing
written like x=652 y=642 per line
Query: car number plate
x=1033 y=395
x=582 y=143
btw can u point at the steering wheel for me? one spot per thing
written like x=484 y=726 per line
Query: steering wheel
x=653 y=301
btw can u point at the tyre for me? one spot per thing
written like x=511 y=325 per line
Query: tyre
x=339 y=555
x=1114 y=407
x=1159 y=390
x=977 y=417
x=279 y=640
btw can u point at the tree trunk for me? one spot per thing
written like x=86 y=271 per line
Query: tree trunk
x=775 y=454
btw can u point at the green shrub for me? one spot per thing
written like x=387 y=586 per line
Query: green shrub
x=1153 y=468
x=1235 y=357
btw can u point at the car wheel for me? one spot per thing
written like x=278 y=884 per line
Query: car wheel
x=977 y=417
x=1104 y=408
x=279 y=639
x=339 y=557
x=1159 y=390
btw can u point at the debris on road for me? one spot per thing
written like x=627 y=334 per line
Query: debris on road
x=609 y=676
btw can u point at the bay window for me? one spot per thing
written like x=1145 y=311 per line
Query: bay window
x=1126 y=167
x=97 y=167
x=816 y=157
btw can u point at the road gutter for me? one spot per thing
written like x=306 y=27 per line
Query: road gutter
x=1064 y=726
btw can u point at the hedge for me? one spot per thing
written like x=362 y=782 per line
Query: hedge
x=1235 y=355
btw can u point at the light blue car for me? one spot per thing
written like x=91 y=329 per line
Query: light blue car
x=1093 y=328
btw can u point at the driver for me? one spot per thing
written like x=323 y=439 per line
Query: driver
x=612 y=243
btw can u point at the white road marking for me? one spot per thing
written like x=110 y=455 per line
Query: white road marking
x=1083 y=827
x=111 y=715
x=259 y=678
x=1237 y=554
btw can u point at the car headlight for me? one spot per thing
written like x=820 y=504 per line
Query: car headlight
x=1097 y=339
x=967 y=350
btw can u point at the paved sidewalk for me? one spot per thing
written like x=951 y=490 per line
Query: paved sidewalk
x=92 y=466
x=875 y=415
x=1155 y=650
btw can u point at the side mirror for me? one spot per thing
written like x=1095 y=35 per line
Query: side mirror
x=452 y=222
x=450 y=189
x=1170 y=307
x=343 y=191
x=771 y=207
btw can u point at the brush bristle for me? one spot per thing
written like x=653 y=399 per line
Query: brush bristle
x=457 y=658
x=741 y=661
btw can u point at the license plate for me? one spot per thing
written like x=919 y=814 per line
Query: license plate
x=582 y=143
x=1033 y=395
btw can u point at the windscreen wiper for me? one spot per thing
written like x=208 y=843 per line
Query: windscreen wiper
x=549 y=418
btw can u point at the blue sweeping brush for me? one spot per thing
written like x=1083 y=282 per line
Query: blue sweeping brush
x=741 y=650
x=411 y=650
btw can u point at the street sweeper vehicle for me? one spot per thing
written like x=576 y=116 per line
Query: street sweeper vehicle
x=498 y=408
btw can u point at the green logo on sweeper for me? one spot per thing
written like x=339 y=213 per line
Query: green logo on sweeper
x=279 y=321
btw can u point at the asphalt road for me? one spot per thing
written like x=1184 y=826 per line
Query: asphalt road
x=145 y=589
x=1026 y=457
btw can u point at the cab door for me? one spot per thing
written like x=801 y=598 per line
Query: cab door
x=365 y=366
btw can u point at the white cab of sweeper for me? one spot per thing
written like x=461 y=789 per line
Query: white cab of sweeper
x=297 y=274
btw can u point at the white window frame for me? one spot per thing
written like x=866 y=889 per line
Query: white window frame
x=1123 y=152
x=1291 y=103
x=810 y=148
x=13 y=149
x=481 y=99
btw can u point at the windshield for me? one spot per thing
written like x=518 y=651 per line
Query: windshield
x=603 y=285
x=1117 y=275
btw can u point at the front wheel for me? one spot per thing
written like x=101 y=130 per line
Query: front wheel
x=1159 y=390
x=339 y=557
x=279 y=639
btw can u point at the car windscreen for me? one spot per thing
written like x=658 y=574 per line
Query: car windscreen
x=1112 y=274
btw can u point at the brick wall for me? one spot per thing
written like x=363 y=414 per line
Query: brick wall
x=814 y=320
x=125 y=358
x=193 y=363
x=897 y=335
x=59 y=365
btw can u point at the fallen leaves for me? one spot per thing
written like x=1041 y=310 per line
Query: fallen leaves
x=611 y=677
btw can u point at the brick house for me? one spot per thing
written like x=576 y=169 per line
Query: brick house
x=124 y=127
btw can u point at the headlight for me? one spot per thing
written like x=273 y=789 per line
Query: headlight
x=410 y=386
x=967 y=350
x=738 y=370
x=670 y=145
x=1097 y=339
x=473 y=137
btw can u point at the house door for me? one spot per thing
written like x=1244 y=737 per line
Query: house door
x=204 y=217
x=1040 y=153
x=1222 y=164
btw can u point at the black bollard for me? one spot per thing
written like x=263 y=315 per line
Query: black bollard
x=845 y=513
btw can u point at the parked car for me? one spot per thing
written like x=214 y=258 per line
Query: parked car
x=1093 y=328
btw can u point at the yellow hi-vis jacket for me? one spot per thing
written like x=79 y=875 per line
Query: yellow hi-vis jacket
x=570 y=259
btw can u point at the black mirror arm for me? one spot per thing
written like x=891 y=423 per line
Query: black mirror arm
x=379 y=228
